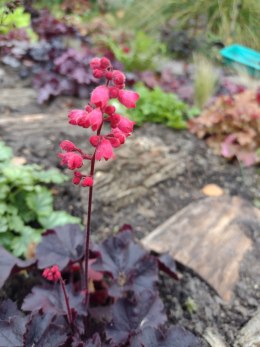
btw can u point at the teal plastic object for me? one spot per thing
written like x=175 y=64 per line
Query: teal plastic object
x=238 y=55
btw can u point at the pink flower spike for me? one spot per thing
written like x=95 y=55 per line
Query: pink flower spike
x=67 y=146
x=104 y=150
x=76 y=115
x=125 y=125
x=100 y=96
x=95 y=118
x=128 y=98
x=87 y=182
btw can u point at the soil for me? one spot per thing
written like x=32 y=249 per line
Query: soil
x=158 y=172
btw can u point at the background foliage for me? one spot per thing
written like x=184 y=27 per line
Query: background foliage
x=26 y=203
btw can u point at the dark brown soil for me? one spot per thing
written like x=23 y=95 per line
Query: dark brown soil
x=157 y=173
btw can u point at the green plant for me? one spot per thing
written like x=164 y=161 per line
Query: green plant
x=232 y=20
x=138 y=53
x=26 y=204
x=205 y=80
x=15 y=19
x=160 y=107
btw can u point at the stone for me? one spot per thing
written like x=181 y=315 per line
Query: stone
x=209 y=236
x=249 y=335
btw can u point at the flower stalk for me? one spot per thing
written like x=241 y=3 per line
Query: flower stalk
x=93 y=116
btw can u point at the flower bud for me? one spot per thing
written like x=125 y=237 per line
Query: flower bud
x=76 y=180
x=95 y=63
x=94 y=140
x=98 y=73
x=87 y=182
x=113 y=92
x=105 y=63
x=67 y=146
x=109 y=75
x=110 y=109
x=118 y=77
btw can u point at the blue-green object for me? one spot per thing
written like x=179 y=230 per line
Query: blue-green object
x=238 y=55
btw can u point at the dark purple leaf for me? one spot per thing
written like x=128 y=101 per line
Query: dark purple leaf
x=93 y=342
x=173 y=337
x=12 y=331
x=167 y=264
x=132 y=315
x=63 y=245
x=12 y=325
x=131 y=267
x=42 y=331
x=47 y=27
x=51 y=300
x=10 y=264
x=8 y=309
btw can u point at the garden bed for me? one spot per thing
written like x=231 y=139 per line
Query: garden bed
x=156 y=174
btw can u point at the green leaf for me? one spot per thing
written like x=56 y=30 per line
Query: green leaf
x=3 y=224
x=4 y=190
x=40 y=201
x=3 y=208
x=15 y=223
x=50 y=176
x=18 y=175
x=57 y=218
x=6 y=239
x=20 y=244
x=159 y=107
x=6 y=152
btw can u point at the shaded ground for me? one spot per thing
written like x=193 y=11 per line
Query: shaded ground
x=158 y=172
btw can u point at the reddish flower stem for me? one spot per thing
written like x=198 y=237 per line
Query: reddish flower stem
x=67 y=303
x=87 y=238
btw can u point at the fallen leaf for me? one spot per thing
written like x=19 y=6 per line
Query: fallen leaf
x=212 y=190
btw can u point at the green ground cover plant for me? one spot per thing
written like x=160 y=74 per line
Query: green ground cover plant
x=138 y=52
x=26 y=203
x=156 y=106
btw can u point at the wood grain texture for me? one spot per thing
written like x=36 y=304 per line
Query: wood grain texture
x=209 y=237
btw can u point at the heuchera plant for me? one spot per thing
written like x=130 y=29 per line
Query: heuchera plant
x=231 y=126
x=91 y=295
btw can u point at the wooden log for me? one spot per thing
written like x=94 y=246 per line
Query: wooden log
x=208 y=236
